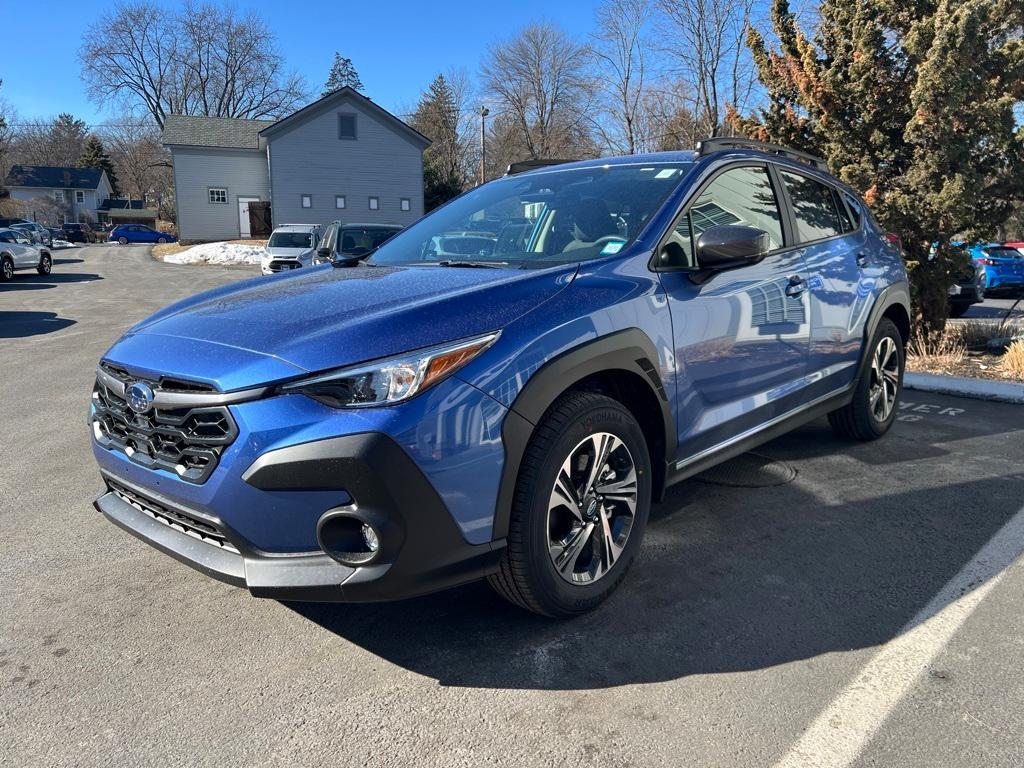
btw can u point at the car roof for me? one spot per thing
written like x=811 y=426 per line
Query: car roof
x=296 y=227
x=355 y=225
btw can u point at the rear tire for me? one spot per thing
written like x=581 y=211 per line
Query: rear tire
x=45 y=264
x=6 y=269
x=161 y=240
x=123 y=240
x=570 y=545
x=876 y=400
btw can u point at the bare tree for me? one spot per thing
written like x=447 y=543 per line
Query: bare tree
x=705 y=41
x=142 y=164
x=203 y=60
x=538 y=80
x=620 y=53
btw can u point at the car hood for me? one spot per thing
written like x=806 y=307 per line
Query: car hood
x=326 y=317
x=288 y=253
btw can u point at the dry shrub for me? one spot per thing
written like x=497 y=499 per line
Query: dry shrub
x=944 y=353
x=978 y=332
x=1012 y=364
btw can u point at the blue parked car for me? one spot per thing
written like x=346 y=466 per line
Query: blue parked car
x=139 y=233
x=1002 y=266
x=508 y=405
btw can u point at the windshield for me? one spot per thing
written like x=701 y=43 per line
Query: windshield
x=290 y=240
x=540 y=220
x=356 y=241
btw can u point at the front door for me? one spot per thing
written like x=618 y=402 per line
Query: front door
x=243 y=215
x=741 y=337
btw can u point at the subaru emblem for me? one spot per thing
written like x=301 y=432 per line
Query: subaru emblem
x=139 y=396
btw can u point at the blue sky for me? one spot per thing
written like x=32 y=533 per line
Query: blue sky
x=396 y=46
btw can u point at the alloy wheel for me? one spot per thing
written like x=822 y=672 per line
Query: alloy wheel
x=8 y=269
x=885 y=379
x=591 y=508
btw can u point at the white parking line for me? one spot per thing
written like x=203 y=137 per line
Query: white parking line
x=840 y=731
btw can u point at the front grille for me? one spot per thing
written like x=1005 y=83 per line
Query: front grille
x=186 y=441
x=194 y=526
x=283 y=265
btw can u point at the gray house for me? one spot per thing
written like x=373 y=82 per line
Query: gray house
x=80 y=194
x=342 y=157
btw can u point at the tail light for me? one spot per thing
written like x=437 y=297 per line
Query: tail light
x=894 y=240
x=986 y=262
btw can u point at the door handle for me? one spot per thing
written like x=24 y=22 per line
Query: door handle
x=797 y=285
x=862 y=259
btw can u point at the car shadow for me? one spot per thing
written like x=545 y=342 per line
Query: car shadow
x=19 y=325
x=32 y=281
x=57 y=260
x=743 y=579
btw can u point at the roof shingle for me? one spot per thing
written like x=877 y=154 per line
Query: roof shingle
x=53 y=176
x=196 y=131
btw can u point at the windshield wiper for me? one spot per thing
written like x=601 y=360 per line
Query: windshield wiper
x=481 y=264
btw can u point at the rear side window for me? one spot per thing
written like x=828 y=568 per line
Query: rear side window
x=741 y=196
x=814 y=206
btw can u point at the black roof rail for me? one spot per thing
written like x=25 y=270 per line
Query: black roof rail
x=718 y=143
x=531 y=165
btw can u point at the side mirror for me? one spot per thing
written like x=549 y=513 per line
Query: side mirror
x=728 y=246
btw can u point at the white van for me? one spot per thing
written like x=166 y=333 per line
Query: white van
x=290 y=246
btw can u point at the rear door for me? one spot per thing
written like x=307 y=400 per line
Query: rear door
x=839 y=258
x=741 y=337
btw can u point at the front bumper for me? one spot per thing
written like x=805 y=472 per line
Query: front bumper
x=422 y=549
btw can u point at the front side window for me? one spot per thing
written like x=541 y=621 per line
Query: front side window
x=739 y=196
x=218 y=195
x=814 y=207
x=543 y=219
x=307 y=201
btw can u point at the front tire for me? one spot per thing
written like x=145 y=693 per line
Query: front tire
x=45 y=265
x=6 y=269
x=161 y=240
x=875 y=402
x=123 y=240
x=579 y=510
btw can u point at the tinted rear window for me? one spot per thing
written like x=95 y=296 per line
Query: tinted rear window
x=1004 y=253
x=814 y=207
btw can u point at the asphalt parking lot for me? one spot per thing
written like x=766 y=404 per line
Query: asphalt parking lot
x=819 y=603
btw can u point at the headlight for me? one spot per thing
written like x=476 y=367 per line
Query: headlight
x=391 y=380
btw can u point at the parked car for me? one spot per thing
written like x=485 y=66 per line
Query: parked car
x=6 y=223
x=290 y=246
x=17 y=251
x=139 y=233
x=1002 y=266
x=78 y=233
x=407 y=424
x=56 y=233
x=349 y=243
x=969 y=286
x=36 y=232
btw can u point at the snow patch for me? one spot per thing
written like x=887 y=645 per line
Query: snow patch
x=218 y=253
x=62 y=244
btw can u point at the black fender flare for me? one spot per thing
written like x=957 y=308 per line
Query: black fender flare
x=895 y=294
x=629 y=350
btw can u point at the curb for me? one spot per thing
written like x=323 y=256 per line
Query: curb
x=978 y=389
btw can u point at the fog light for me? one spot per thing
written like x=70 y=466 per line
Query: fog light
x=370 y=538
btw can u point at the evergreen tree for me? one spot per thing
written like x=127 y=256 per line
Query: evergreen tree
x=343 y=72
x=437 y=117
x=95 y=156
x=911 y=104
x=66 y=139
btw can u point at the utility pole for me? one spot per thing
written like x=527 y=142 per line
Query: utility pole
x=484 y=112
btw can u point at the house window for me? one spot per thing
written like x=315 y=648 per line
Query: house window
x=406 y=204
x=58 y=195
x=79 y=196
x=374 y=203
x=339 y=201
x=307 y=201
x=218 y=195
x=346 y=126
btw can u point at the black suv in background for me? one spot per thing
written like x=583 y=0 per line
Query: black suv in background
x=78 y=233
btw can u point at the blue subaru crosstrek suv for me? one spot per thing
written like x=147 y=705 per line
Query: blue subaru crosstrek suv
x=503 y=388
